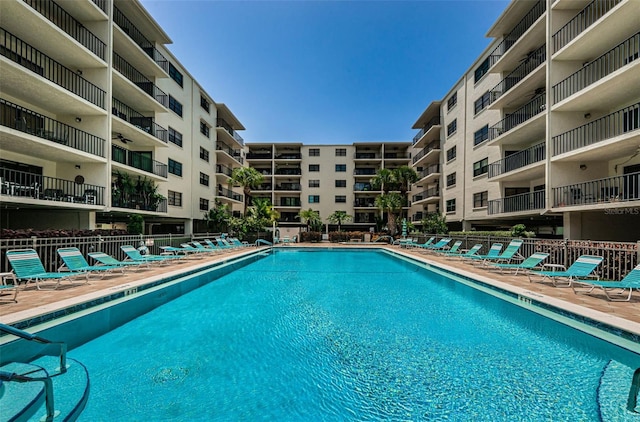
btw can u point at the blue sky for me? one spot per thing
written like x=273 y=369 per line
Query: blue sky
x=326 y=72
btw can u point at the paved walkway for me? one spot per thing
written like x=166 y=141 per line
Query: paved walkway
x=32 y=302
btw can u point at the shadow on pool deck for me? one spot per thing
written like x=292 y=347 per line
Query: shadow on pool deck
x=32 y=302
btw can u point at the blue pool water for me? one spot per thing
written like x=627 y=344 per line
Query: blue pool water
x=349 y=335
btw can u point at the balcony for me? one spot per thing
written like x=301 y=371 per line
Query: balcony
x=144 y=123
x=518 y=160
x=583 y=20
x=63 y=20
x=364 y=217
x=138 y=79
x=289 y=171
x=608 y=191
x=429 y=194
x=259 y=155
x=396 y=155
x=22 y=185
x=531 y=63
x=139 y=202
x=435 y=121
x=32 y=123
x=288 y=186
x=264 y=172
x=289 y=202
x=102 y=4
x=288 y=156
x=136 y=36
x=519 y=117
x=622 y=122
x=433 y=146
x=364 y=202
x=138 y=161
x=222 y=124
x=624 y=55
x=362 y=187
x=228 y=193
x=524 y=202
x=18 y=51
x=263 y=188
x=364 y=172
x=431 y=172
x=233 y=153
x=221 y=169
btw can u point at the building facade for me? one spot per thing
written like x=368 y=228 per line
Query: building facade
x=100 y=121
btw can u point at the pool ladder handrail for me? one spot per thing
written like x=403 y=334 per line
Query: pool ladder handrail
x=48 y=383
x=263 y=242
x=632 y=401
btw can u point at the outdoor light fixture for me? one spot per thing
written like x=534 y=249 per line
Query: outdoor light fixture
x=78 y=119
x=583 y=166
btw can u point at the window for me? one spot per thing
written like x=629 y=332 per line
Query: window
x=341 y=199
x=451 y=205
x=314 y=183
x=204 y=179
x=314 y=152
x=314 y=167
x=481 y=135
x=204 y=204
x=451 y=153
x=341 y=152
x=480 y=167
x=204 y=154
x=204 y=103
x=175 y=106
x=175 y=137
x=481 y=70
x=204 y=128
x=481 y=103
x=341 y=183
x=451 y=179
x=452 y=101
x=341 y=167
x=175 y=167
x=314 y=199
x=480 y=199
x=452 y=127
x=174 y=198
x=175 y=74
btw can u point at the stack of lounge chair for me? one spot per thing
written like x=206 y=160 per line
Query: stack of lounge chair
x=614 y=291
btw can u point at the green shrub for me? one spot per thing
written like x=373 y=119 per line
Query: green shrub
x=310 y=236
x=135 y=224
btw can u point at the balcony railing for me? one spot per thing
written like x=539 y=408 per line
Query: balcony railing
x=289 y=171
x=220 y=169
x=137 y=160
x=228 y=193
x=518 y=117
x=396 y=155
x=139 y=202
x=234 y=153
x=264 y=172
x=59 y=17
x=288 y=156
x=102 y=4
x=263 y=188
x=584 y=19
x=431 y=147
x=518 y=31
x=362 y=187
x=366 y=155
x=141 y=81
x=364 y=172
x=147 y=46
x=529 y=201
x=259 y=156
x=429 y=193
x=144 y=123
x=433 y=168
x=531 y=62
x=607 y=127
x=518 y=160
x=364 y=202
x=289 y=202
x=226 y=126
x=623 y=188
x=614 y=59
x=45 y=188
x=28 y=57
x=367 y=217
x=288 y=186
x=431 y=123
x=28 y=121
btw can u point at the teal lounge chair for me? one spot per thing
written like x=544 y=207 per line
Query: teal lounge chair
x=236 y=242
x=528 y=264
x=74 y=261
x=440 y=244
x=452 y=250
x=106 y=259
x=134 y=255
x=409 y=243
x=510 y=252
x=201 y=248
x=465 y=254
x=224 y=244
x=581 y=269
x=494 y=252
x=27 y=267
x=613 y=290
x=215 y=246
x=9 y=288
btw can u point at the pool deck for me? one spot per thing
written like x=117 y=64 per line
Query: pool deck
x=33 y=302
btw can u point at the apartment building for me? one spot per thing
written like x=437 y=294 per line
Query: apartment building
x=100 y=121
x=325 y=178
x=544 y=127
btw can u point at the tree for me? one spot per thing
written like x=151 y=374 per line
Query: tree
x=339 y=217
x=434 y=223
x=217 y=218
x=383 y=180
x=247 y=177
x=263 y=212
x=403 y=177
x=135 y=224
x=312 y=219
x=391 y=203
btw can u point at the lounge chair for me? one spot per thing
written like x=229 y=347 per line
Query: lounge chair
x=9 y=288
x=215 y=246
x=629 y=282
x=581 y=269
x=409 y=243
x=27 y=267
x=201 y=248
x=106 y=259
x=74 y=261
x=439 y=245
x=452 y=250
x=509 y=253
x=494 y=252
x=174 y=250
x=528 y=264
x=134 y=255
x=236 y=242
x=224 y=244
x=465 y=254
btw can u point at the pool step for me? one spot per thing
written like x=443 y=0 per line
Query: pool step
x=26 y=401
x=613 y=393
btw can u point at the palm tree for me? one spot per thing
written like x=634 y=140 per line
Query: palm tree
x=383 y=179
x=391 y=203
x=311 y=218
x=339 y=217
x=247 y=177
x=404 y=176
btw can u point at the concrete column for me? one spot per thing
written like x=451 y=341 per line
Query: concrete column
x=572 y=224
x=466 y=225
x=188 y=227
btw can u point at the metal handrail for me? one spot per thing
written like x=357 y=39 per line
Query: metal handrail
x=518 y=160
x=527 y=201
x=137 y=160
x=624 y=188
x=141 y=81
x=433 y=168
x=228 y=193
x=431 y=147
x=518 y=31
x=226 y=126
x=142 y=122
x=233 y=153
x=102 y=4
x=429 y=193
x=614 y=59
x=364 y=172
x=431 y=123
x=36 y=61
x=221 y=169
x=518 y=117
x=612 y=125
x=259 y=156
x=28 y=121
x=147 y=46
x=580 y=22
x=531 y=62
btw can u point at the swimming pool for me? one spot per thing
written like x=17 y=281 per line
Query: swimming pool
x=350 y=335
